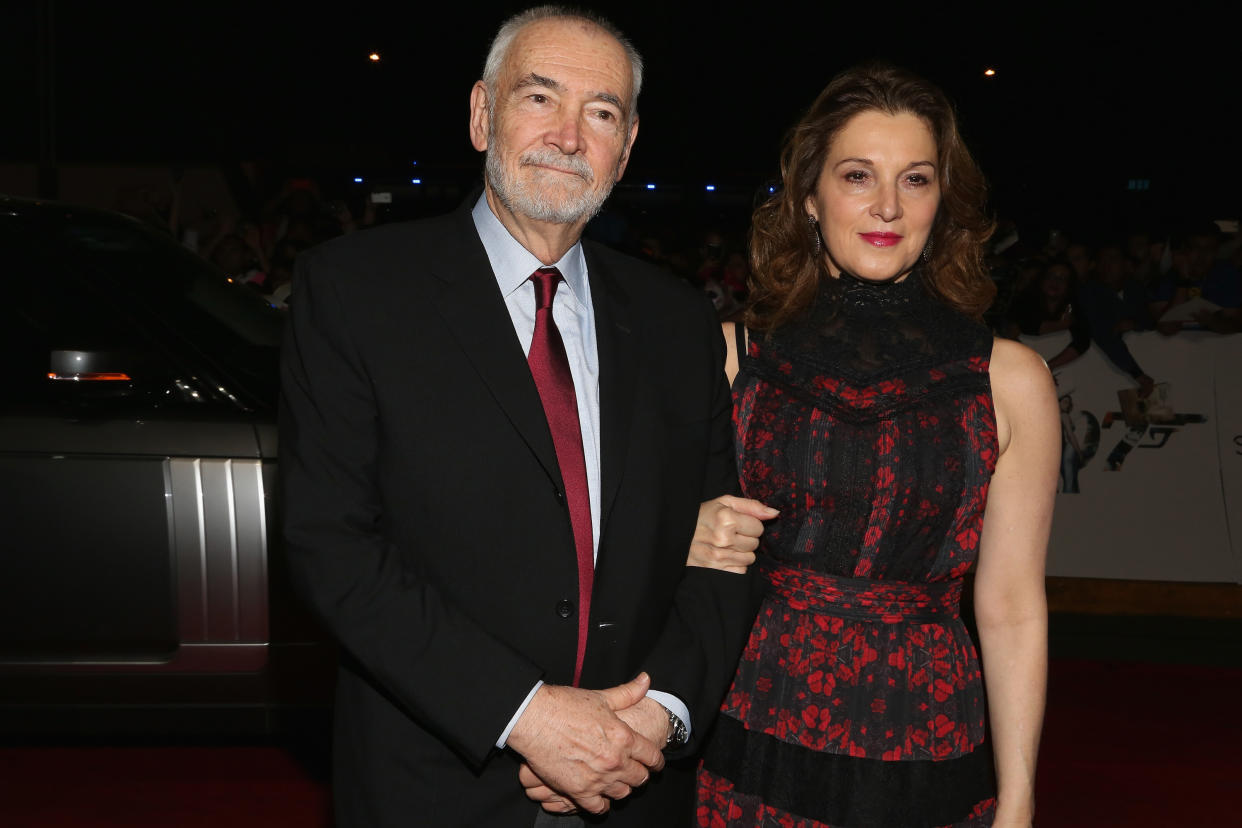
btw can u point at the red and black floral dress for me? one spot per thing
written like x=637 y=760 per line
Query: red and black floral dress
x=858 y=700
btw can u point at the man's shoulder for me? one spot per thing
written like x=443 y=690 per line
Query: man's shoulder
x=401 y=241
x=641 y=279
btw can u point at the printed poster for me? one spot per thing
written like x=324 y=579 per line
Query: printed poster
x=1150 y=488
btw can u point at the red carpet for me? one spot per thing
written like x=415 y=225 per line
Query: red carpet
x=1125 y=744
x=168 y=787
x=1134 y=744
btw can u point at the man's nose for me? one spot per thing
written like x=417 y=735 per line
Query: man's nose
x=566 y=134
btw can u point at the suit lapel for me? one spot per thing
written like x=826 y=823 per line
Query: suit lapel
x=618 y=371
x=470 y=303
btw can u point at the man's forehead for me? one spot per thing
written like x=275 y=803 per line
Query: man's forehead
x=543 y=46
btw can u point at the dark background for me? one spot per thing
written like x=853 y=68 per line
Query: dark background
x=1085 y=99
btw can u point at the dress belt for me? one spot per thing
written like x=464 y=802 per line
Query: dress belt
x=889 y=602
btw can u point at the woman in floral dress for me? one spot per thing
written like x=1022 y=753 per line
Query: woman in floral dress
x=903 y=446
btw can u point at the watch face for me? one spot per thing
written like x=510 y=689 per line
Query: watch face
x=677 y=731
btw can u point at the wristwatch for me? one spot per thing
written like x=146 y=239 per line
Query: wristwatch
x=677 y=735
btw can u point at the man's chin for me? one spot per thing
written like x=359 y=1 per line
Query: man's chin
x=558 y=208
x=549 y=196
x=551 y=214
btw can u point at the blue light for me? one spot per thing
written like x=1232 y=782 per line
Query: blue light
x=650 y=186
x=357 y=180
x=711 y=188
x=771 y=189
x=416 y=181
x=415 y=163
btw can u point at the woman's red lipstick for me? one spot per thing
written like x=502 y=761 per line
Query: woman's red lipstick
x=881 y=239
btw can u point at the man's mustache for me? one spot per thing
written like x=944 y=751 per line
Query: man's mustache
x=548 y=157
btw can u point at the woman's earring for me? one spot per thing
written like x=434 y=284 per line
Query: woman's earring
x=927 y=250
x=814 y=232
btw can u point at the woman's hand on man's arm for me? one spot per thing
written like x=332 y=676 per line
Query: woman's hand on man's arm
x=727 y=533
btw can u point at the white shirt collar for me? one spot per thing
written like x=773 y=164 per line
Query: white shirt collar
x=513 y=264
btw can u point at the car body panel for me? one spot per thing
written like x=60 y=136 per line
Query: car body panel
x=139 y=525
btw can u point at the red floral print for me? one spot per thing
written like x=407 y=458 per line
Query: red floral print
x=873 y=431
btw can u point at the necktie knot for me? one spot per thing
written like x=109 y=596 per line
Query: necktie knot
x=546 y=279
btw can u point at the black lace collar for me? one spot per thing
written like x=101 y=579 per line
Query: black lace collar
x=872 y=335
x=861 y=293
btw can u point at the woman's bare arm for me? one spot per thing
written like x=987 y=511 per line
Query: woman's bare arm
x=1010 y=605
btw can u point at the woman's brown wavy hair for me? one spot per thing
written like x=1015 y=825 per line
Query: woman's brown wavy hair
x=786 y=269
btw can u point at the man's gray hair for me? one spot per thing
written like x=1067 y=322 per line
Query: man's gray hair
x=499 y=49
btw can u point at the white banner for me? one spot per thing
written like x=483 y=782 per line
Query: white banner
x=1151 y=489
x=1229 y=436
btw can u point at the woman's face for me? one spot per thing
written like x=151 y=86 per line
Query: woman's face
x=877 y=195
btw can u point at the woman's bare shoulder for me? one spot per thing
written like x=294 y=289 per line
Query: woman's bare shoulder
x=1015 y=366
x=1023 y=390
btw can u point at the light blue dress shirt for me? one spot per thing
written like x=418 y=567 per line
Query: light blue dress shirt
x=513 y=264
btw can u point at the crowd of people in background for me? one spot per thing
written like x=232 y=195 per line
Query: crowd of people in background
x=1097 y=289
x=1101 y=289
x=1185 y=279
x=258 y=248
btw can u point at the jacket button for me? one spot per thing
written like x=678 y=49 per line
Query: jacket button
x=565 y=608
x=560 y=495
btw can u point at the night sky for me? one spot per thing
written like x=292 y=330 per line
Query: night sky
x=1082 y=102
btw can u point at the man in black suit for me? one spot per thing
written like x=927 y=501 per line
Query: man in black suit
x=495 y=438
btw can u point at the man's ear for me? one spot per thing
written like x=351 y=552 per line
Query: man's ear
x=629 y=145
x=478 y=116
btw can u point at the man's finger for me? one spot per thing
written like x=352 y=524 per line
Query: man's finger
x=594 y=804
x=646 y=754
x=618 y=790
x=542 y=793
x=560 y=805
x=628 y=694
x=528 y=777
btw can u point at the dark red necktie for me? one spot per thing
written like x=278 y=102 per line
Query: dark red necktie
x=550 y=368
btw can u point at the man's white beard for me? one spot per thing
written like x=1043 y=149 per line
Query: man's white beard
x=518 y=196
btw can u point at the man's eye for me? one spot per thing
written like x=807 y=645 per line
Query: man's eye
x=538 y=98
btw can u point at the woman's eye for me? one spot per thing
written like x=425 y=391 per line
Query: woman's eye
x=856 y=176
x=917 y=179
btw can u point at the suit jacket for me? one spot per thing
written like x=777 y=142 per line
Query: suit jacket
x=425 y=522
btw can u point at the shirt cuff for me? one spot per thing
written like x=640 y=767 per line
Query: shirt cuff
x=674 y=705
x=504 y=737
